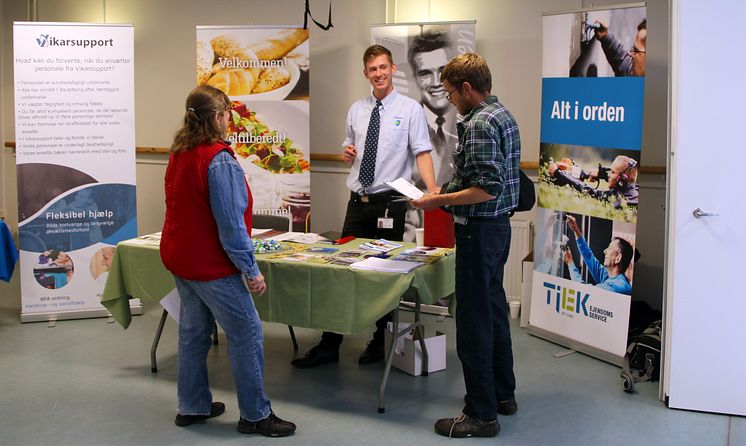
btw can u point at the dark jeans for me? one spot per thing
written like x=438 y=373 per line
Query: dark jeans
x=482 y=327
x=361 y=221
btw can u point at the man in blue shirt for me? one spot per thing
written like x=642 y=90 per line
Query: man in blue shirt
x=609 y=275
x=386 y=134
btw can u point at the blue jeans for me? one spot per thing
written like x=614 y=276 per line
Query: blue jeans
x=228 y=301
x=482 y=327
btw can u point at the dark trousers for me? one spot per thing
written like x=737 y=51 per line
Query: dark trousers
x=482 y=327
x=361 y=221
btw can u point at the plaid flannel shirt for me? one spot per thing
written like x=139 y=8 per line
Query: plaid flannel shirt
x=487 y=157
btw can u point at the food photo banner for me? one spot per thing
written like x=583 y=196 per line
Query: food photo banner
x=265 y=72
x=591 y=139
x=75 y=155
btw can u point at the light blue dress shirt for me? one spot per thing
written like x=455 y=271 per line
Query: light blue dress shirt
x=228 y=201
x=403 y=136
x=616 y=284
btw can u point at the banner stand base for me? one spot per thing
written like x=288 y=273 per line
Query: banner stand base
x=136 y=309
x=575 y=345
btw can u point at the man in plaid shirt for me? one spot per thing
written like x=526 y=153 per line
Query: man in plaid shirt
x=481 y=195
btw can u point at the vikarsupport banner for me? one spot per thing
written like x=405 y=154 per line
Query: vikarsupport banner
x=591 y=138
x=75 y=147
x=265 y=72
x=420 y=51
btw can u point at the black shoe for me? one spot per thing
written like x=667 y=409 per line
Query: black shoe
x=272 y=426
x=373 y=353
x=216 y=409
x=464 y=426
x=316 y=356
x=507 y=407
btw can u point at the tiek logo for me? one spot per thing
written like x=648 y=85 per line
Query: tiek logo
x=397 y=122
x=42 y=40
x=567 y=299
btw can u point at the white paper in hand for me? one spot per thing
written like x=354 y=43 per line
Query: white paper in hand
x=406 y=188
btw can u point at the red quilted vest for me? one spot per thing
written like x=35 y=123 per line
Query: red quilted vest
x=190 y=245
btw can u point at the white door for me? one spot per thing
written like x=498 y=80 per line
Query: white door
x=705 y=358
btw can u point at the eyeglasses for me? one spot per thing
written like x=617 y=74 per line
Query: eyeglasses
x=636 y=50
x=449 y=93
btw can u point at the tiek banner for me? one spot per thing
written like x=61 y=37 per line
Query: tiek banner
x=75 y=146
x=265 y=71
x=591 y=132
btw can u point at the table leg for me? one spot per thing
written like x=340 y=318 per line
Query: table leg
x=396 y=334
x=156 y=340
x=389 y=359
x=292 y=337
x=421 y=334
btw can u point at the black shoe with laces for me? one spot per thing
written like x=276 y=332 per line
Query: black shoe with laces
x=216 y=409
x=272 y=426
x=464 y=426
x=316 y=356
x=374 y=352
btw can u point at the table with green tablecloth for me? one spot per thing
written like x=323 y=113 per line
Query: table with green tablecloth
x=321 y=296
x=302 y=294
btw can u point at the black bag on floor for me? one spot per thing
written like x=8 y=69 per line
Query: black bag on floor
x=642 y=361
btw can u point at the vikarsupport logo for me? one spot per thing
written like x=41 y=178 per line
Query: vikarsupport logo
x=571 y=302
x=45 y=40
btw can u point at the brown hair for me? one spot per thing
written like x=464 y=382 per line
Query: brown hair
x=200 y=126
x=471 y=68
x=374 y=51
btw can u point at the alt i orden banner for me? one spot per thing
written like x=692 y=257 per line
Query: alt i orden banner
x=591 y=131
x=75 y=147
x=265 y=72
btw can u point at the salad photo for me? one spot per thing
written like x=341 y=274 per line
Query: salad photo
x=270 y=149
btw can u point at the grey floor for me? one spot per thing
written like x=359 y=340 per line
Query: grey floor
x=88 y=382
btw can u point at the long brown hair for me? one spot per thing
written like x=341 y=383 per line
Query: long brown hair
x=200 y=125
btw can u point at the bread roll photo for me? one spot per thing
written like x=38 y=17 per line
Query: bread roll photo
x=205 y=56
x=229 y=47
x=233 y=82
x=278 y=45
x=271 y=79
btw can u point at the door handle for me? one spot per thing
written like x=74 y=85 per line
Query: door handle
x=699 y=213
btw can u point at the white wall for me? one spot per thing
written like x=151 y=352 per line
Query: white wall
x=508 y=36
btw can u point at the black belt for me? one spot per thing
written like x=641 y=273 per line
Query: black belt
x=373 y=198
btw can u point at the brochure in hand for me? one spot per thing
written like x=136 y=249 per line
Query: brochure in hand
x=406 y=188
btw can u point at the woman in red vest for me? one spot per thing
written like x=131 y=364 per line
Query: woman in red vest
x=206 y=245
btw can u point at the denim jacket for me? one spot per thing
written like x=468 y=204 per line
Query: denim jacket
x=229 y=199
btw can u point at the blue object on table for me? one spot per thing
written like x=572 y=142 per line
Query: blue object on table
x=8 y=253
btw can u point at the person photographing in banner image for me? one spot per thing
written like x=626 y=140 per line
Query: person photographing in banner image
x=609 y=275
x=624 y=62
x=621 y=177
x=481 y=195
x=386 y=134
x=208 y=218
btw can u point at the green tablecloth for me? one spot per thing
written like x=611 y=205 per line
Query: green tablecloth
x=320 y=296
